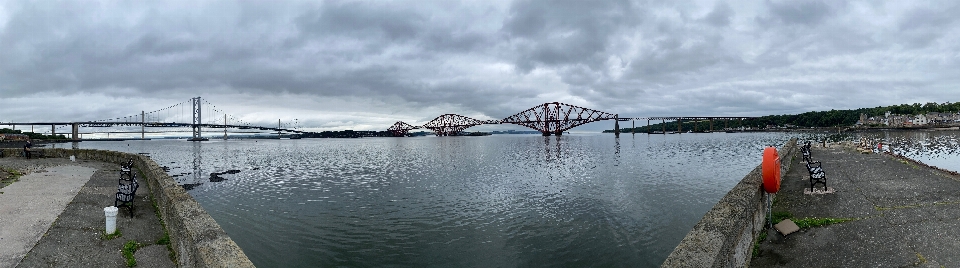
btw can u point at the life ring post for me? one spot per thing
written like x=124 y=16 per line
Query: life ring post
x=770 y=168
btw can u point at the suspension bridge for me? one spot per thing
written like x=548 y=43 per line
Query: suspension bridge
x=187 y=114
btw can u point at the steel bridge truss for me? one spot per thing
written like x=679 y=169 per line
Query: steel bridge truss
x=453 y=124
x=400 y=129
x=551 y=118
x=555 y=118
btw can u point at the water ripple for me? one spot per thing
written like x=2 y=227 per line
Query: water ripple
x=502 y=200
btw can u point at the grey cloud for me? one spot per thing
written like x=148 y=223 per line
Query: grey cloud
x=921 y=27
x=807 y=12
x=720 y=15
x=336 y=60
x=671 y=58
x=336 y=18
x=552 y=33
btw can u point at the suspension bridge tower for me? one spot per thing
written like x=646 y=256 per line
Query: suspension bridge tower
x=196 y=120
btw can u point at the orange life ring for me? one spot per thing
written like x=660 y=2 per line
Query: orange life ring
x=771 y=170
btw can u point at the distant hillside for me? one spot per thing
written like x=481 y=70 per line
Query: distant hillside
x=830 y=118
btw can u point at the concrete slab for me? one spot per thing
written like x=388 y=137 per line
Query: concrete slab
x=31 y=205
x=786 y=227
x=153 y=256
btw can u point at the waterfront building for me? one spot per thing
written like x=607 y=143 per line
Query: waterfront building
x=920 y=120
x=13 y=137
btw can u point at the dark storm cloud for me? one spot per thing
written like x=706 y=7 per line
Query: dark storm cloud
x=366 y=64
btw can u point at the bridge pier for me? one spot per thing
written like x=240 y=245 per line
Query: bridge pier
x=197 y=120
x=53 y=130
x=616 y=126
x=76 y=131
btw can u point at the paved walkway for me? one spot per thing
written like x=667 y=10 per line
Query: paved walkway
x=908 y=215
x=53 y=217
x=29 y=206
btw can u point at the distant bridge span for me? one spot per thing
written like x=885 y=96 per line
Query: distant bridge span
x=194 y=111
x=552 y=118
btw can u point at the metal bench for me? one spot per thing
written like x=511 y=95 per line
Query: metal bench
x=805 y=151
x=816 y=175
x=127 y=187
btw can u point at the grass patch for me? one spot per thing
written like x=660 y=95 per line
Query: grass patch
x=908 y=163
x=105 y=236
x=128 y=249
x=9 y=176
x=165 y=240
x=778 y=216
x=920 y=259
x=14 y=174
x=756 y=245
x=819 y=222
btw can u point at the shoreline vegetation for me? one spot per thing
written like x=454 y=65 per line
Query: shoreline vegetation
x=900 y=117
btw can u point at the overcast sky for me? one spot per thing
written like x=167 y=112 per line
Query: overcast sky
x=366 y=64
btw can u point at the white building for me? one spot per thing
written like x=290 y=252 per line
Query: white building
x=920 y=120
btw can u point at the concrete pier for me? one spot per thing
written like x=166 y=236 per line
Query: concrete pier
x=75 y=238
x=53 y=217
x=893 y=212
x=905 y=214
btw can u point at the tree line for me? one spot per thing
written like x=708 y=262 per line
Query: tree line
x=33 y=136
x=814 y=119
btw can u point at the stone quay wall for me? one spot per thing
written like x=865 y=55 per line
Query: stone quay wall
x=725 y=235
x=196 y=238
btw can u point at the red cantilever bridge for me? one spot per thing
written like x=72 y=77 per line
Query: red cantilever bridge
x=548 y=118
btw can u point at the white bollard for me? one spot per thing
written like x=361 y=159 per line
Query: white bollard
x=111 y=214
x=73 y=158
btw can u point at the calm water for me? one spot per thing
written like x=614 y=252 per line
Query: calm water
x=935 y=148
x=495 y=201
